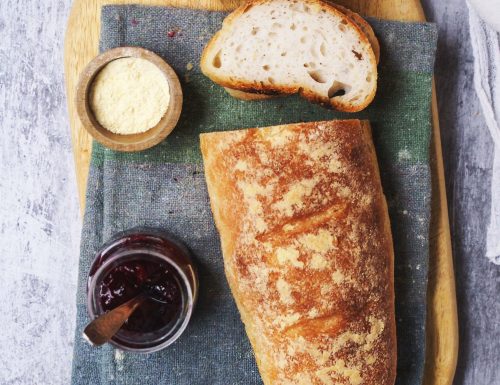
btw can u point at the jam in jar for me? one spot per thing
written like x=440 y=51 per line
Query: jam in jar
x=144 y=260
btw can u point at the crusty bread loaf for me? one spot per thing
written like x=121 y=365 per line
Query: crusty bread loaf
x=285 y=47
x=307 y=250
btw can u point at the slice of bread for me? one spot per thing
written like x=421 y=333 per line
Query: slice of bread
x=364 y=26
x=355 y=17
x=285 y=47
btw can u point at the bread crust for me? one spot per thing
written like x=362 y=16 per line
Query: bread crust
x=307 y=249
x=268 y=89
x=242 y=95
x=364 y=26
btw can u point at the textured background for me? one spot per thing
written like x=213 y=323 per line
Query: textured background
x=40 y=224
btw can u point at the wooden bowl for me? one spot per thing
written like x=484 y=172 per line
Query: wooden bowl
x=131 y=142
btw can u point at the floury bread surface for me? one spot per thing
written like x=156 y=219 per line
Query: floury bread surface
x=307 y=249
x=299 y=46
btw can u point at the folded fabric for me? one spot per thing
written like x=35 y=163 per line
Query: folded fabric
x=486 y=47
x=165 y=187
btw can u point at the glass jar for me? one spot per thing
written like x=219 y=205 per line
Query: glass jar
x=116 y=275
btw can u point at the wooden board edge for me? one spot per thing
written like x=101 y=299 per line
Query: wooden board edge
x=442 y=318
x=80 y=139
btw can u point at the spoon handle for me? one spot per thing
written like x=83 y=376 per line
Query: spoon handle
x=100 y=330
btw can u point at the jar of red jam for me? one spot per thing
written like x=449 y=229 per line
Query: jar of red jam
x=124 y=267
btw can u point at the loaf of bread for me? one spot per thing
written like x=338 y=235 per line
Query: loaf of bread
x=307 y=249
x=298 y=46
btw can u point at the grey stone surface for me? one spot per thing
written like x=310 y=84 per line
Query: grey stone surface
x=468 y=158
x=40 y=224
x=39 y=219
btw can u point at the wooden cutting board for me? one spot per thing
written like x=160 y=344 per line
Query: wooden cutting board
x=81 y=45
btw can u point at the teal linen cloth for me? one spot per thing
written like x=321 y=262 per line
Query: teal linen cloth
x=165 y=187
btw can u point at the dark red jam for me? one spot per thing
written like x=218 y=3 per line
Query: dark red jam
x=159 y=280
x=140 y=265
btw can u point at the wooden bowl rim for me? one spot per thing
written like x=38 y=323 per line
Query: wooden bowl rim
x=130 y=142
